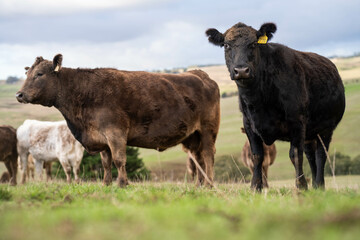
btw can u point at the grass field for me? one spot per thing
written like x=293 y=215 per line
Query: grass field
x=178 y=211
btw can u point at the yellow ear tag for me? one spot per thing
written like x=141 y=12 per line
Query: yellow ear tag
x=263 y=39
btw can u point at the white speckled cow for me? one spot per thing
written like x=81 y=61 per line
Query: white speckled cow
x=47 y=142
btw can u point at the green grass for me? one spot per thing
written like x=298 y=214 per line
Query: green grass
x=176 y=211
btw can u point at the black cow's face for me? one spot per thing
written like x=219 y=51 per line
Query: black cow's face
x=40 y=84
x=241 y=46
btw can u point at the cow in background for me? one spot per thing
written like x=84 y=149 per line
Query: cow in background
x=47 y=142
x=30 y=170
x=285 y=95
x=5 y=177
x=8 y=153
x=269 y=159
x=108 y=109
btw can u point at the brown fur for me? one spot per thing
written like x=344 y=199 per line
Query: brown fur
x=8 y=152
x=107 y=109
x=5 y=177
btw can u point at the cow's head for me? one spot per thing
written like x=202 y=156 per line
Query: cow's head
x=241 y=44
x=40 y=86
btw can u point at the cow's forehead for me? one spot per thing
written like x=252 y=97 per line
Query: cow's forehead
x=42 y=64
x=246 y=33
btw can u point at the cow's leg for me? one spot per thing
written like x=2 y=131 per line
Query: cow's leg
x=257 y=150
x=200 y=176
x=310 y=149
x=39 y=165
x=67 y=169
x=118 y=153
x=76 y=170
x=12 y=169
x=296 y=157
x=321 y=160
x=191 y=167
x=192 y=146
x=106 y=160
x=24 y=164
x=47 y=166
x=207 y=148
x=265 y=175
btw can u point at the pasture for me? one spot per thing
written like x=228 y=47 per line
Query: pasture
x=57 y=210
x=180 y=210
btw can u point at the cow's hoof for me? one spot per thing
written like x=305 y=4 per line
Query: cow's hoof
x=122 y=183
x=256 y=186
x=107 y=183
x=301 y=184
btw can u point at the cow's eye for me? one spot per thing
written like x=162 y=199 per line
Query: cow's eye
x=226 y=46
x=39 y=74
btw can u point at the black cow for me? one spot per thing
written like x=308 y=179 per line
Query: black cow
x=283 y=94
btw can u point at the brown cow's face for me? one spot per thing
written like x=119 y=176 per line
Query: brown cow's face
x=40 y=86
x=241 y=47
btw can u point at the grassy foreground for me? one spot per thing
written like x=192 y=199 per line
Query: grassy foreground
x=176 y=211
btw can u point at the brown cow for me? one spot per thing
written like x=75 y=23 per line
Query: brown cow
x=107 y=109
x=8 y=152
x=5 y=177
x=269 y=158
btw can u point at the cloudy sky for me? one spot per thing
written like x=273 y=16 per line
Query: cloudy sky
x=158 y=34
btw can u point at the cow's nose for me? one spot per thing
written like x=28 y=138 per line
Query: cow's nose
x=241 y=73
x=19 y=96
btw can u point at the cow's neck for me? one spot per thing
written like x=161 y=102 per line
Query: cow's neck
x=71 y=99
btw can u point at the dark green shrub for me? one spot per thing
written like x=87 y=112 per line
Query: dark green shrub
x=355 y=166
x=5 y=195
x=342 y=164
x=91 y=167
x=229 y=169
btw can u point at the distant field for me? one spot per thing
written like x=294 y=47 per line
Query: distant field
x=230 y=140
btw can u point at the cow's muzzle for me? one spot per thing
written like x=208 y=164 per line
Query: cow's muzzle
x=241 y=73
x=20 y=97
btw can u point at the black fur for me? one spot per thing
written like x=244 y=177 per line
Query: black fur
x=268 y=28
x=215 y=37
x=289 y=95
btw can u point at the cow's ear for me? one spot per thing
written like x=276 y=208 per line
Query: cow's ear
x=267 y=29
x=57 y=61
x=27 y=68
x=215 y=37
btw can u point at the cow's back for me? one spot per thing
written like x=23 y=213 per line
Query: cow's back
x=154 y=102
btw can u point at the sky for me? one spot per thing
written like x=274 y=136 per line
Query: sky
x=163 y=34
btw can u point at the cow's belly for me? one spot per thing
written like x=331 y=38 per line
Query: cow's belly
x=93 y=141
x=43 y=154
x=161 y=135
